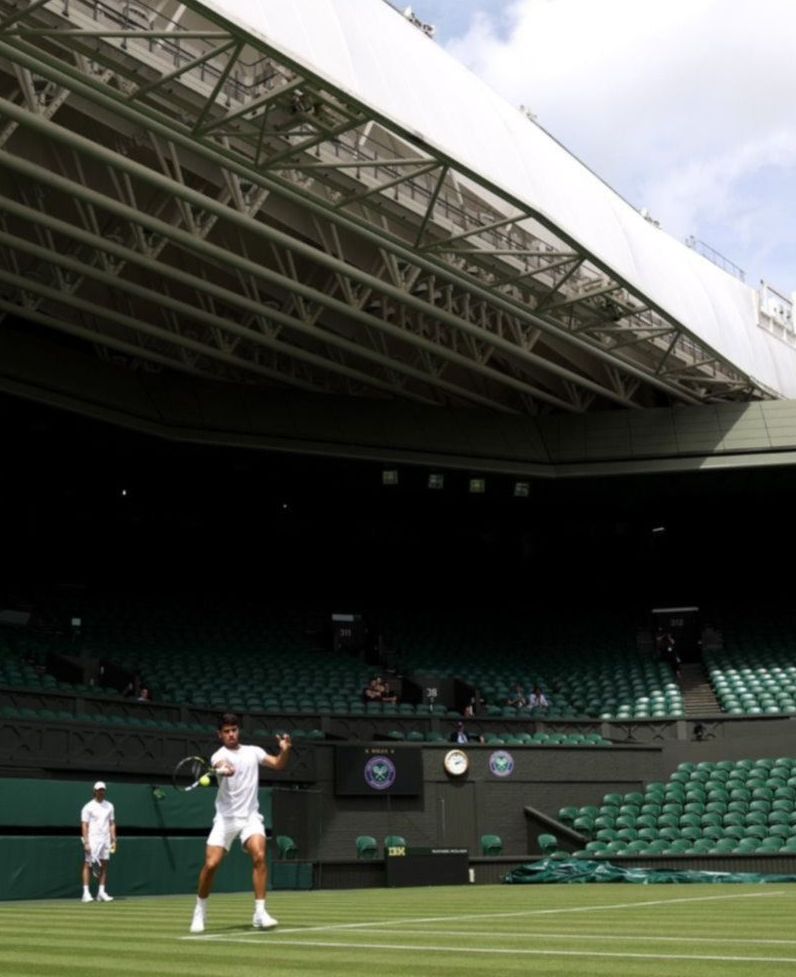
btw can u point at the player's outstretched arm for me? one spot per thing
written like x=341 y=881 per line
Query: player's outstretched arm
x=279 y=761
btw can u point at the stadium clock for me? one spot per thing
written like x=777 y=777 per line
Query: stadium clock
x=456 y=763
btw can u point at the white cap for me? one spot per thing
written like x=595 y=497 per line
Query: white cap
x=100 y=785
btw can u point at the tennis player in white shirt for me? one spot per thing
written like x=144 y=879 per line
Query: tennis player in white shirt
x=98 y=829
x=238 y=816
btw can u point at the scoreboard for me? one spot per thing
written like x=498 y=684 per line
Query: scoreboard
x=378 y=771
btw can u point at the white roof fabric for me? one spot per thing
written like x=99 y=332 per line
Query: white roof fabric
x=370 y=51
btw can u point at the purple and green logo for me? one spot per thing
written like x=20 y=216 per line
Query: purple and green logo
x=501 y=763
x=380 y=773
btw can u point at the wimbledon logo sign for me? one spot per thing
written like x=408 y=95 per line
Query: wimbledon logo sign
x=501 y=763
x=380 y=772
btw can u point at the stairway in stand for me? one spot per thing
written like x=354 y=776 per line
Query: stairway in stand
x=698 y=697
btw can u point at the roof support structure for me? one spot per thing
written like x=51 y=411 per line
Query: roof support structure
x=228 y=141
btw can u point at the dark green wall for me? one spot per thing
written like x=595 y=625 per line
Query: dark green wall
x=48 y=867
x=47 y=864
x=28 y=802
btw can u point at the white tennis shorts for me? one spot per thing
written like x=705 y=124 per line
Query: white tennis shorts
x=98 y=849
x=226 y=830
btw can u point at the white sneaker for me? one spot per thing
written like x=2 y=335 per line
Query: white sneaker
x=198 y=921
x=104 y=897
x=87 y=897
x=262 y=921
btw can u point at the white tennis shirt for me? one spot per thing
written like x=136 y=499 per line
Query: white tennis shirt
x=237 y=795
x=99 y=816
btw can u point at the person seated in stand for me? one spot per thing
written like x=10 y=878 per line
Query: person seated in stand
x=517 y=697
x=144 y=695
x=537 y=699
x=388 y=695
x=461 y=736
x=373 y=691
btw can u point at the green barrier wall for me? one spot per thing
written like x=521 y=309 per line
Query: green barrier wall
x=42 y=867
x=46 y=804
x=47 y=864
x=46 y=867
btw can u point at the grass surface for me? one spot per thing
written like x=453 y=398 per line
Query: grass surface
x=654 y=931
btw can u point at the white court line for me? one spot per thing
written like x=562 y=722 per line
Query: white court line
x=501 y=915
x=543 y=935
x=505 y=951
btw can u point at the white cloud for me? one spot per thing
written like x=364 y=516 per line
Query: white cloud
x=683 y=106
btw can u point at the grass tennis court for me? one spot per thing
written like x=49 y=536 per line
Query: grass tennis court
x=559 y=930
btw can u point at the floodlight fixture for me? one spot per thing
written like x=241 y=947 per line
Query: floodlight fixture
x=436 y=481
x=477 y=486
x=522 y=490
x=389 y=477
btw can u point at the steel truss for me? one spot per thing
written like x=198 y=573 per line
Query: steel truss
x=178 y=192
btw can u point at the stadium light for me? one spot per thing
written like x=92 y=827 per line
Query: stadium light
x=521 y=490
x=389 y=477
x=436 y=481
x=477 y=486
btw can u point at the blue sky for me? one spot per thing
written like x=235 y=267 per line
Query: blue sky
x=685 y=107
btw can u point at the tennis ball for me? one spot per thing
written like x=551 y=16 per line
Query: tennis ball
x=205 y=781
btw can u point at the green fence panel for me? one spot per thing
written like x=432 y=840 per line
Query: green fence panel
x=49 y=867
x=31 y=803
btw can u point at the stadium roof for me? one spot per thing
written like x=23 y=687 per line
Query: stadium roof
x=312 y=196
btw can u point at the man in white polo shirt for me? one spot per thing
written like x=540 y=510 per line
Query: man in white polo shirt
x=98 y=828
x=238 y=815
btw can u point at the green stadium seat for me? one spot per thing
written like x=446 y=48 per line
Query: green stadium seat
x=366 y=846
x=491 y=845
x=287 y=847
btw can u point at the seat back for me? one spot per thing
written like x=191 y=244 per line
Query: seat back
x=287 y=847
x=367 y=847
x=547 y=843
x=491 y=845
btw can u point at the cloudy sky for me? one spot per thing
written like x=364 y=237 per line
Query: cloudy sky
x=685 y=107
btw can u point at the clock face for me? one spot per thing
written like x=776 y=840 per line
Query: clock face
x=456 y=762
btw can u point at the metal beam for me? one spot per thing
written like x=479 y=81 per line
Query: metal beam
x=675 y=389
x=173 y=189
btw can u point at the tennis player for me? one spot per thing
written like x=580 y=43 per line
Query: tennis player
x=238 y=815
x=98 y=827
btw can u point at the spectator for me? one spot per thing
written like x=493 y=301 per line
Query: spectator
x=537 y=699
x=459 y=735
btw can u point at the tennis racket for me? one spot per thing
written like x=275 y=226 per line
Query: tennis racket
x=96 y=865
x=189 y=772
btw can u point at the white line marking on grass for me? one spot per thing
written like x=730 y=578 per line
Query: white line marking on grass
x=412 y=920
x=505 y=951
x=542 y=935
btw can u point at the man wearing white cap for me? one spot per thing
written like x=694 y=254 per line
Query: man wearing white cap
x=98 y=825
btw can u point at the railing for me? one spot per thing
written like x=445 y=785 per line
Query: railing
x=716 y=257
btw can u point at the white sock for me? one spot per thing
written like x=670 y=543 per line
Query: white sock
x=259 y=905
x=201 y=903
x=86 y=891
x=102 y=890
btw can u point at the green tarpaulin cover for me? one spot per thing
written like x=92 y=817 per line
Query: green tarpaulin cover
x=577 y=870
